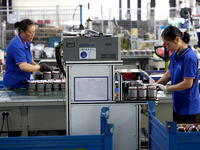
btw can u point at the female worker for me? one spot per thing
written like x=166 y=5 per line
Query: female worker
x=183 y=73
x=19 y=62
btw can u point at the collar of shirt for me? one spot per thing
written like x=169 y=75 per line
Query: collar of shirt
x=183 y=52
x=20 y=39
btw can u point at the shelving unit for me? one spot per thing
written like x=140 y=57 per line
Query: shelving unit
x=144 y=44
x=43 y=34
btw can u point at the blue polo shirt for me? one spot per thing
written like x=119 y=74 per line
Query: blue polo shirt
x=17 y=52
x=185 y=65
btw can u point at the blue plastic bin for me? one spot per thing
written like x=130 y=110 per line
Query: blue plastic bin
x=72 y=142
x=167 y=138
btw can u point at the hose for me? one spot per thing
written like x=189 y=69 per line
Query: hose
x=58 y=50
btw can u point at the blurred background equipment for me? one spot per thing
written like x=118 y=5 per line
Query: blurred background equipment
x=164 y=54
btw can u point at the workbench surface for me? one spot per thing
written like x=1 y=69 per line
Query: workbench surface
x=24 y=97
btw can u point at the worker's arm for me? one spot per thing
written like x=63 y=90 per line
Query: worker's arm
x=185 y=84
x=165 y=78
x=33 y=62
x=28 y=67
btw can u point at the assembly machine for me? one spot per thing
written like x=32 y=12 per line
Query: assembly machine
x=91 y=83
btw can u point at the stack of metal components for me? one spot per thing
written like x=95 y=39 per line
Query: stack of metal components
x=188 y=127
x=51 y=82
x=139 y=91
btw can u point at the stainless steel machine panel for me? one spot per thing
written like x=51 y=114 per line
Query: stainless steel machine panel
x=85 y=120
x=91 y=83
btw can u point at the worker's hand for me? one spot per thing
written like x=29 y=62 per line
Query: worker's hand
x=162 y=87
x=153 y=84
x=45 y=67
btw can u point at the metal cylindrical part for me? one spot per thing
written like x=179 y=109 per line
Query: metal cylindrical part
x=142 y=93
x=132 y=93
x=56 y=85
x=40 y=85
x=56 y=74
x=89 y=24
x=47 y=75
x=198 y=127
x=32 y=86
x=152 y=93
x=48 y=85
x=63 y=85
x=180 y=128
x=190 y=128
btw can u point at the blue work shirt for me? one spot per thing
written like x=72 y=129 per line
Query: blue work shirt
x=185 y=65
x=17 y=52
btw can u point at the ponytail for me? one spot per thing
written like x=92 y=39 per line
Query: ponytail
x=186 y=37
x=171 y=32
x=23 y=25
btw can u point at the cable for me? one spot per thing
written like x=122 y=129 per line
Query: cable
x=74 y=12
x=3 y=114
x=7 y=114
x=59 y=58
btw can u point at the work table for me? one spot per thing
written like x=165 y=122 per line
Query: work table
x=23 y=97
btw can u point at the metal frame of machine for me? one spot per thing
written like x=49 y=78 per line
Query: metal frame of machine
x=124 y=114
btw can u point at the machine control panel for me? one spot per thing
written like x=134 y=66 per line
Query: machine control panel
x=87 y=53
x=91 y=49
